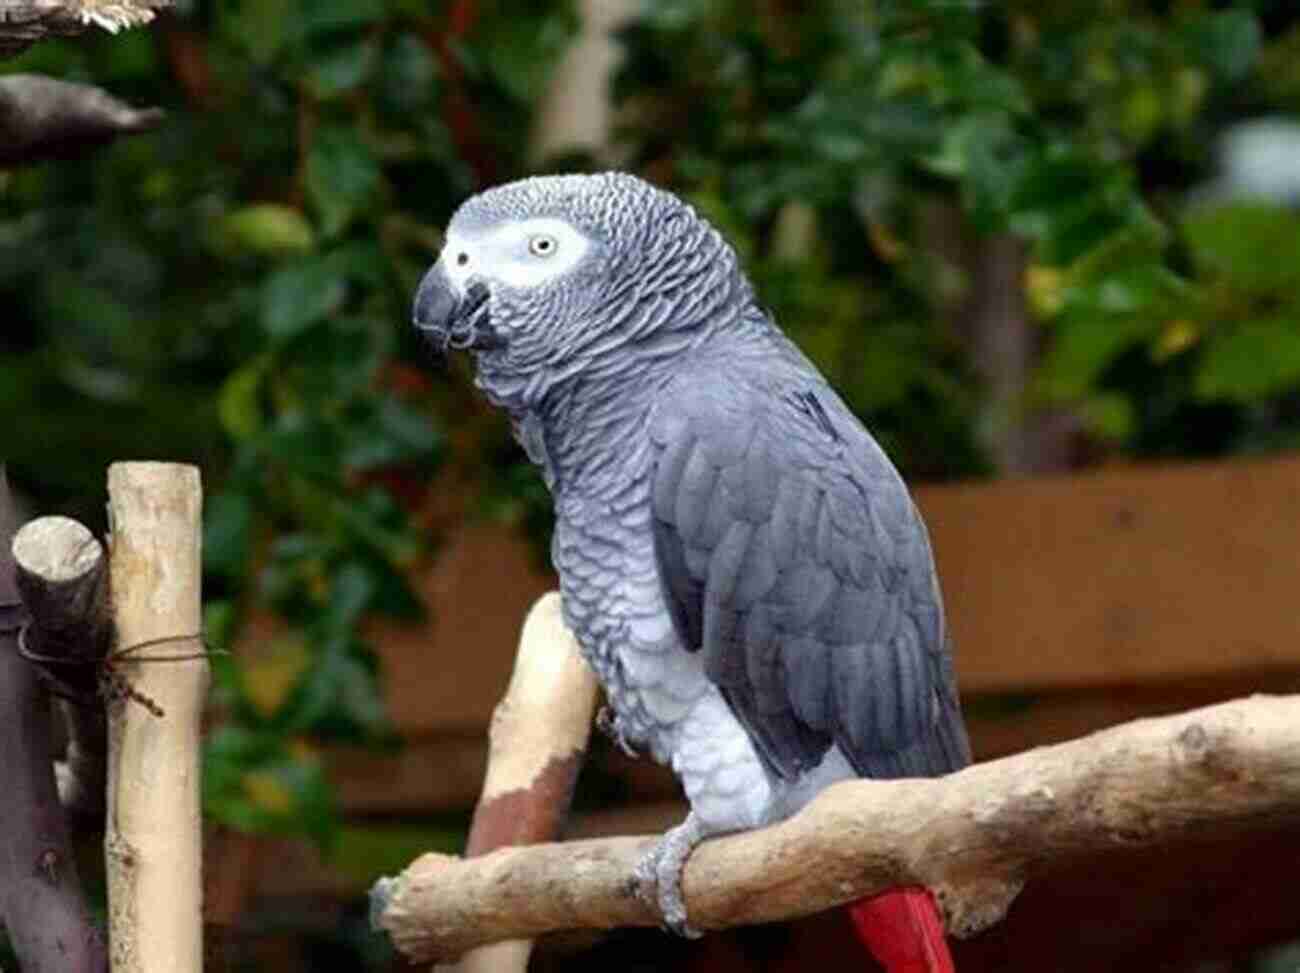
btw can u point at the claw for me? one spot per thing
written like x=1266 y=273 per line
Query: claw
x=610 y=724
x=658 y=876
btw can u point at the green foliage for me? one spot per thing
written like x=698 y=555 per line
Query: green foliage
x=1075 y=126
x=233 y=290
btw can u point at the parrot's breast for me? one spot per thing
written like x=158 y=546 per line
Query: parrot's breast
x=663 y=701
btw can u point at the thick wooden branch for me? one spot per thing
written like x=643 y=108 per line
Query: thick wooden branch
x=974 y=837
x=40 y=894
x=42 y=119
x=24 y=22
x=153 y=840
x=62 y=575
x=537 y=742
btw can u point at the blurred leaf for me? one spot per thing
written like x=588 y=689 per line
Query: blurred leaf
x=253 y=781
x=265 y=228
x=1085 y=342
x=350 y=596
x=227 y=525
x=1108 y=416
x=395 y=433
x=1250 y=362
x=271 y=674
x=328 y=16
x=239 y=403
x=341 y=69
x=259 y=27
x=519 y=50
x=408 y=74
x=1255 y=245
x=342 y=177
x=300 y=295
x=1227 y=41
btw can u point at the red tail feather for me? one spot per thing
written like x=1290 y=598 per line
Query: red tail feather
x=903 y=930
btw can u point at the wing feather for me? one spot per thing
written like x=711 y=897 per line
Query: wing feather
x=793 y=559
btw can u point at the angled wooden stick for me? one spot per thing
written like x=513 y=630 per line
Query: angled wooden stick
x=974 y=837
x=153 y=837
x=537 y=742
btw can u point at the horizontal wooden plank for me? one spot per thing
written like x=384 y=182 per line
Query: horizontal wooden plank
x=1136 y=577
x=1127 y=577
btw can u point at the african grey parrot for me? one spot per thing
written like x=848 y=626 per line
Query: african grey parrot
x=740 y=562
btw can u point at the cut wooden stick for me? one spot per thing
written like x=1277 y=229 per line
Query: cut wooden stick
x=62 y=575
x=41 y=900
x=974 y=837
x=153 y=836
x=45 y=118
x=537 y=741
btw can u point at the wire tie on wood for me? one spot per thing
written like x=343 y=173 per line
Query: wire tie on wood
x=113 y=685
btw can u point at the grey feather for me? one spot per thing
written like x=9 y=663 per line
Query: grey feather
x=740 y=562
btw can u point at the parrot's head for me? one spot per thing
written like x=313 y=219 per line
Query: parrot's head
x=547 y=277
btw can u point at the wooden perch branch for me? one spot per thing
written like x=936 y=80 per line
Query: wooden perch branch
x=537 y=742
x=152 y=841
x=40 y=894
x=62 y=575
x=24 y=22
x=43 y=119
x=974 y=837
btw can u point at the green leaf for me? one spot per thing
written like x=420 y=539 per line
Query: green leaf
x=341 y=69
x=258 y=27
x=258 y=782
x=227 y=530
x=1108 y=416
x=342 y=177
x=1227 y=41
x=408 y=75
x=350 y=595
x=1254 y=245
x=296 y=297
x=267 y=229
x=1083 y=346
x=329 y=16
x=339 y=699
x=394 y=433
x=1254 y=361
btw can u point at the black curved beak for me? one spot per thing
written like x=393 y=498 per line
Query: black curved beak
x=449 y=320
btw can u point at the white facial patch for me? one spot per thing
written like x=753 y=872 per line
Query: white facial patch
x=521 y=255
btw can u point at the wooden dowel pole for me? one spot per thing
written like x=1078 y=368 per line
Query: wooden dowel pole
x=152 y=843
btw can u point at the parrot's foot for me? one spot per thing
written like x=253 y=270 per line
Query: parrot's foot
x=609 y=723
x=658 y=875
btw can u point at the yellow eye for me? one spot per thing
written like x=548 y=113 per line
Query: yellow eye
x=542 y=245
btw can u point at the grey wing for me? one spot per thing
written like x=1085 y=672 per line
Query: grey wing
x=792 y=557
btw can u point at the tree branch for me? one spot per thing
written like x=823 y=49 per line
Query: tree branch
x=538 y=739
x=40 y=894
x=63 y=578
x=43 y=119
x=24 y=22
x=974 y=837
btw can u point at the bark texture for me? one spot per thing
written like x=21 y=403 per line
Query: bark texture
x=42 y=119
x=40 y=893
x=63 y=579
x=974 y=837
x=153 y=835
x=537 y=741
x=24 y=22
